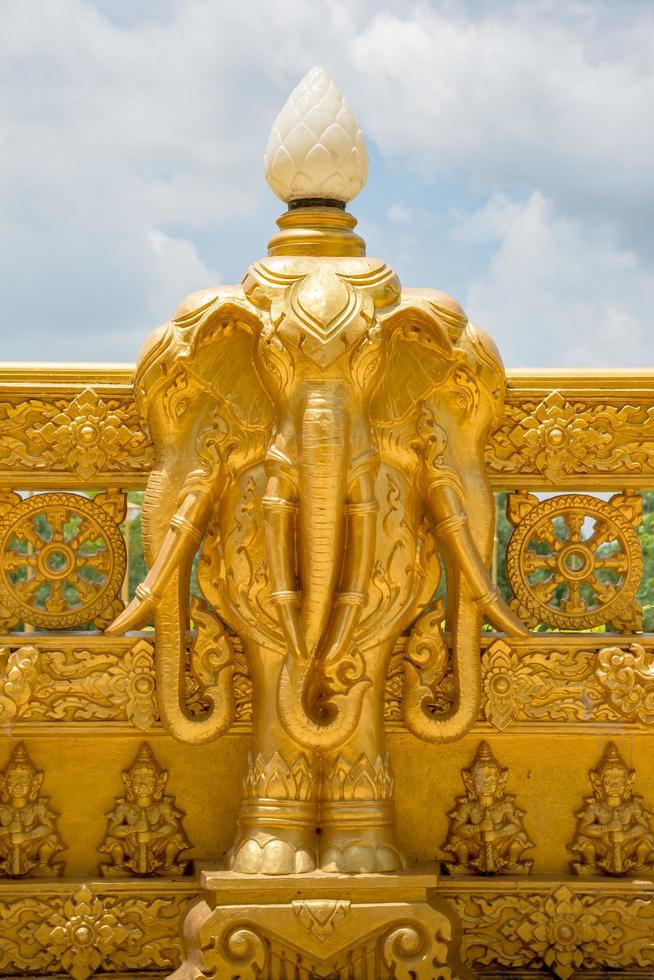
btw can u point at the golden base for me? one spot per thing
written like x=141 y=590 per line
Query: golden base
x=336 y=926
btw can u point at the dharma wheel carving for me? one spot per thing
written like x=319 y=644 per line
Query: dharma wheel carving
x=574 y=561
x=62 y=560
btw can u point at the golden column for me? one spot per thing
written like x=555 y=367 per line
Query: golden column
x=319 y=435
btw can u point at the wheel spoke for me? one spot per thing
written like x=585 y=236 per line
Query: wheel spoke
x=618 y=561
x=533 y=561
x=573 y=603
x=57 y=518
x=544 y=590
x=605 y=591
x=85 y=589
x=546 y=534
x=574 y=521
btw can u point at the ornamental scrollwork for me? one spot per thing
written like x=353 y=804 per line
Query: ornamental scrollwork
x=560 y=438
x=96 y=680
x=627 y=677
x=546 y=680
x=86 y=435
x=575 y=562
x=563 y=931
x=62 y=560
x=567 y=683
x=79 y=683
x=397 y=942
x=83 y=932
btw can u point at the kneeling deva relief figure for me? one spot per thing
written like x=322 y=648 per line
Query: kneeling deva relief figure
x=319 y=434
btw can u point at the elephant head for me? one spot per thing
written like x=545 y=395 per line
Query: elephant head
x=293 y=394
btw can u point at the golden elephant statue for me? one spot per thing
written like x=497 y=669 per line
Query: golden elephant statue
x=319 y=437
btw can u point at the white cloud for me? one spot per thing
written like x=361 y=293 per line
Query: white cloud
x=558 y=291
x=551 y=96
x=131 y=138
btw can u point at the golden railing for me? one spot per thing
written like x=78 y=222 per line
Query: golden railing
x=570 y=464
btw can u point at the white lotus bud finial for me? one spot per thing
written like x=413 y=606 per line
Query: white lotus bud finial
x=316 y=148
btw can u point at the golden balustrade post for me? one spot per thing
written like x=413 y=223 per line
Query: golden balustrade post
x=348 y=418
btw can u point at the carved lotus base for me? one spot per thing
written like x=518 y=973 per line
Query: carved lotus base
x=336 y=926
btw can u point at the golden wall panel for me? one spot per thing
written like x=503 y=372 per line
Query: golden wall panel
x=561 y=429
x=82 y=704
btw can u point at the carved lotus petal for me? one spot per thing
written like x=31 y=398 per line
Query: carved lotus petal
x=316 y=148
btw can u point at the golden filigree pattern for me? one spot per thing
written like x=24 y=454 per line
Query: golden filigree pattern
x=574 y=561
x=566 y=683
x=62 y=560
x=543 y=681
x=627 y=676
x=78 y=683
x=83 y=932
x=145 y=833
x=563 y=931
x=29 y=838
x=94 y=680
x=613 y=834
x=486 y=834
x=562 y=438
x=87 y=435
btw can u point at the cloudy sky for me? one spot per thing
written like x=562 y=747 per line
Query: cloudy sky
x=511 y=148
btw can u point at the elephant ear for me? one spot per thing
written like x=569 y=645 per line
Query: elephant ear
x=200 y=398
x=207 y=349
x=420 y=337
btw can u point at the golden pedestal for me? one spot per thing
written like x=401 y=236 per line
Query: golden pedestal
x=322 y=926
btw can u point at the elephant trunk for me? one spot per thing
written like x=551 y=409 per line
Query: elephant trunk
x=324 y=438
x=471 y=596
x=418 y=695
x=164 y=593
x=322 y=490
x=171 y=674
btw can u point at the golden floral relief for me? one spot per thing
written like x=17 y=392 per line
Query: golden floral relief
x=83 y=682
x=562 y=930
x=486 y=834
x=561 y=438
x=81 y=933
x=614 y=835
x=145 y=834
x=29 y=838
x=86 y=435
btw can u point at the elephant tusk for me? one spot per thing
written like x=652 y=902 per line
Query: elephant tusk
x=280 y=515
x=180 y=542
x=452 y=529
x=361 y=528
